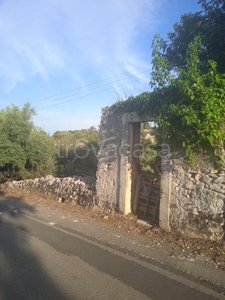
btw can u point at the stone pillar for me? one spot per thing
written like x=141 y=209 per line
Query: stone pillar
x=134 y=157
x=164 y=207
x=125 y=171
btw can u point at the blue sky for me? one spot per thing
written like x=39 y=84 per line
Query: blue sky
x=70 y=58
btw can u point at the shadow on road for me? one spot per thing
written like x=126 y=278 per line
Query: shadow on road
x=22 y=275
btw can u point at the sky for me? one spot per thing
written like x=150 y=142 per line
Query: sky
x=70 y=58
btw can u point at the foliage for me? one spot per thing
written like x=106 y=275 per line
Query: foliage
x=144 y=104
x=160 y=73
x=188 y=77
x=195 y=112
x=77 y=152
x=149 y=157
x=202 y=107
x=208 y=24
x=18 y=138
x=41 y=153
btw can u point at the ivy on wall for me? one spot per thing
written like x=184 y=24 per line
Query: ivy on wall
x=188 y=82
x=190 y=106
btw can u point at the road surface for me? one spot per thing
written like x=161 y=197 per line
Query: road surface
x=40 y=259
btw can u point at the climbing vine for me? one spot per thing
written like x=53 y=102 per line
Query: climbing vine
x=190 y=106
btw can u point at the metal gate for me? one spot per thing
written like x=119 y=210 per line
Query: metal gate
x=147 y=197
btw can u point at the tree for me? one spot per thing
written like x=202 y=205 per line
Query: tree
x=77 y=151
x=209 y=25
x=24 y=148
x=188 y=76
x=41 y=153
x=15 y=128
x=201 y=108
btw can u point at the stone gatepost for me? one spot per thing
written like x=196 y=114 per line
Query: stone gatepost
x=117 y=172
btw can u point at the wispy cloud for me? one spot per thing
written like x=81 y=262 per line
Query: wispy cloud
x=40 y=38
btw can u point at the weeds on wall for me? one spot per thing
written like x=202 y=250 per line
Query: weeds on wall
x=150 y=161
x=190 y=108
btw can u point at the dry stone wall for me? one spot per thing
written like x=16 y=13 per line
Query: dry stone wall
x=77 y=190
x=192 y=200
x=197 y=199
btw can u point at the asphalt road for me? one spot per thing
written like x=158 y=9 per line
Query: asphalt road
x=42 y=260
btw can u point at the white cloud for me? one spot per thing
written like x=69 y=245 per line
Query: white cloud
x=42 y=37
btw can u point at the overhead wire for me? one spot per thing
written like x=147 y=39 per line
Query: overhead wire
x=94 y=88
x=90 y=84
x=90 y=94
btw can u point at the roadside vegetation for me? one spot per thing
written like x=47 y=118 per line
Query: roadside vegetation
x=188 y=102
x=29 y=152
x=150 y=161
x=77 y=152
x=188 y=81
x=26 y=151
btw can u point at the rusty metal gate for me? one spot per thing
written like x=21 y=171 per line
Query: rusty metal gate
x=147 y=197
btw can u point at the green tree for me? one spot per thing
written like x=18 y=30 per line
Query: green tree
x=189 y=79
x=15 y=128
x=195 y=110
x=41 y=153
x=24 y=149
x=77 y=151
x=209 y=25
